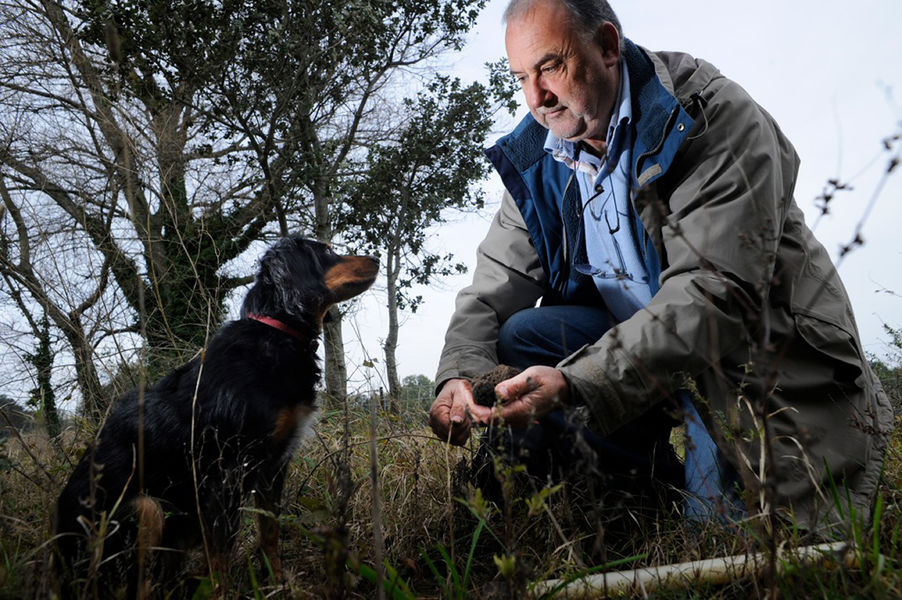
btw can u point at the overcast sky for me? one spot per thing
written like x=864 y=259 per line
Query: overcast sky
x=831 y=78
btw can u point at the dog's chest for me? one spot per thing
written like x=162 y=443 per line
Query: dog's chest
x=289 y=426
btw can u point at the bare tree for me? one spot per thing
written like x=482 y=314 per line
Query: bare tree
x=95 y=132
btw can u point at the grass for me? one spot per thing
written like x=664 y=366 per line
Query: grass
x=437 y=536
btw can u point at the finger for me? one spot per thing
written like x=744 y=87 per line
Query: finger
x=459 y=433
x=482 y=414
x=461 y=400
x=448 y=416
x=440 y=423
x=440 y=415
x=515 y=387
x=458 y=413
x=445 y=430
x=517 y=414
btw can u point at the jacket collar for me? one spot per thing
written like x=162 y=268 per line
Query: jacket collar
x=661 y=123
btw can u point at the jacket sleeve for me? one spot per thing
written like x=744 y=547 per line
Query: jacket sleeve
x=508 y=278
x=720 y=212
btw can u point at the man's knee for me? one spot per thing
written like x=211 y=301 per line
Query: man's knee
x=547 y=334
x=518 y=330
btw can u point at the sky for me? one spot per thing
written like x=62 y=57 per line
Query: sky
x=829 y=72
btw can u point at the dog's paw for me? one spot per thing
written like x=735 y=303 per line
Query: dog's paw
x=484 y=385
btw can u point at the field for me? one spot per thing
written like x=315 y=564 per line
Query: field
x=370 y=489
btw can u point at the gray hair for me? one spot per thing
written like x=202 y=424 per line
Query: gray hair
x=587 y=15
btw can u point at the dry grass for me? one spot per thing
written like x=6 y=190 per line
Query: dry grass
x=439 y=538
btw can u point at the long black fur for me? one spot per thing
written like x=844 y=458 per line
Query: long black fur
x=215 y=430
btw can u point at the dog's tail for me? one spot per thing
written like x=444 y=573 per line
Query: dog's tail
x=149 y=514
x=77 y=556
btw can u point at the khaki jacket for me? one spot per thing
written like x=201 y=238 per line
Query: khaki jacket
x=751 y=315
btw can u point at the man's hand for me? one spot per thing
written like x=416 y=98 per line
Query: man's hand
x=532 y=394
x=449 y=416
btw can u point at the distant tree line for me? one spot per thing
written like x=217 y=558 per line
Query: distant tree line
x=416 y=395
x=889 y=368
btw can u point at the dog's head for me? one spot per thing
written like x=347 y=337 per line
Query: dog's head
x=300 y=279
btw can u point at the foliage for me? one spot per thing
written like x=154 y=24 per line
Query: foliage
x=430 y=166
x=889 y=368
x=42 y=397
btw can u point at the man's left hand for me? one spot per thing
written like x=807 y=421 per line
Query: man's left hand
x=533 y=393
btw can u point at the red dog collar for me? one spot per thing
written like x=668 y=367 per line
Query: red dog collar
x=277 y=324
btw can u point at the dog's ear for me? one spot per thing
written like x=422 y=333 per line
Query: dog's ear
x=286 y=286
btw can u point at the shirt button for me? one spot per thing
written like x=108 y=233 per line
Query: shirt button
x=599 y=188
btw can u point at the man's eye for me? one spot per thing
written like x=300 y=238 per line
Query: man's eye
x=550 y=68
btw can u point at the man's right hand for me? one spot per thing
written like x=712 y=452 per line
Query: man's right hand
x=449 y=416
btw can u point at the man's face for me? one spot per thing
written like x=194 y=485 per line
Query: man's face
x=570 y=82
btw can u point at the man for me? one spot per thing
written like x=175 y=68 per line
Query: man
x=649 y=207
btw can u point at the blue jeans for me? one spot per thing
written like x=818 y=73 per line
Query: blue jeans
x=712 y=484
x=638 y=457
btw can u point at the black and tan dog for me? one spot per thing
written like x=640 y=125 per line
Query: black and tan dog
x=212 y=433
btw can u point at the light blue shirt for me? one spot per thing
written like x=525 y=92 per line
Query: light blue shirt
x=612 y=249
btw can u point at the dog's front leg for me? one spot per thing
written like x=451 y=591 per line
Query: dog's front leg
x=268 y=497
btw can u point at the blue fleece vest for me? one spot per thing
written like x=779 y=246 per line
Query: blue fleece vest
x=551 y=209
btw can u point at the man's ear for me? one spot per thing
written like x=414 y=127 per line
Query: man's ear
x=609 y=40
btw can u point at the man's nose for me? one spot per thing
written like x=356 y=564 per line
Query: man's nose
x=538 y=94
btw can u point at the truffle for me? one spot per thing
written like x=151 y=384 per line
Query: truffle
x=484 y=385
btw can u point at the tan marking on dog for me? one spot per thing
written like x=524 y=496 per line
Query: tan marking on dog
x=149 y=515
x=348 y=278
x=351 y=270
x=150 y=522
x=339 y=275
x=287 y=421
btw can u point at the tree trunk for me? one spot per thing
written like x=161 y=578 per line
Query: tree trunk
x=336 y=375
x=391 y=340
x=94 y=402
x=42 y=395
x=336 y=372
